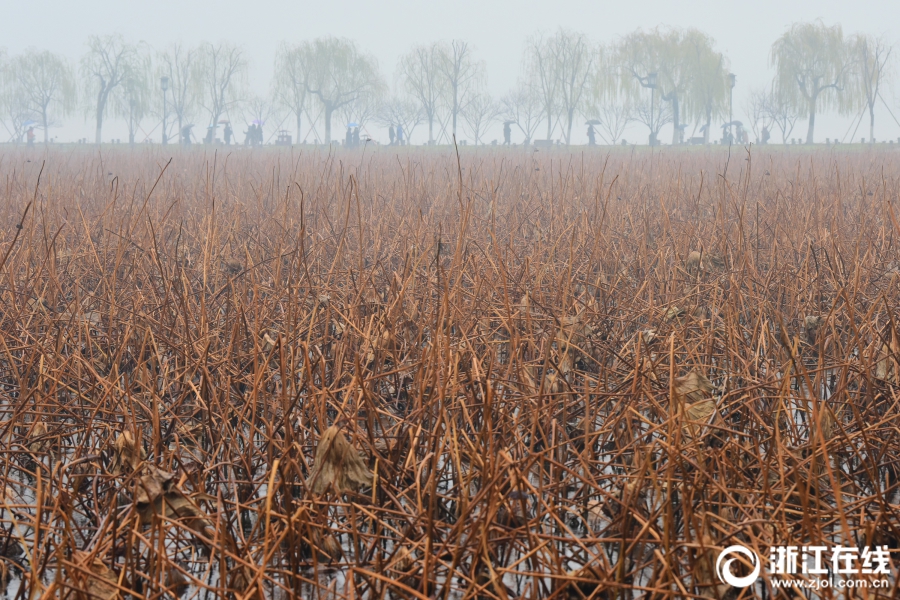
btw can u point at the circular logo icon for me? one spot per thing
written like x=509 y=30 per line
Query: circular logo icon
x=723 y=569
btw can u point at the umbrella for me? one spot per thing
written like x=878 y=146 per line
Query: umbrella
x=510 y=122
x=258 y=122
x=29 y=123
x=354 y=124
x=593 y=122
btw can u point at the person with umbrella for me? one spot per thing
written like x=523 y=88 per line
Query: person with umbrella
x=356 y=137
x=507 y=133
x=186 y=135
x=30 y=134
x=228 y=133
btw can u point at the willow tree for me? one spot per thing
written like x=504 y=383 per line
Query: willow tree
x=48 y=84
x=813 y=65
x=339 y=74
x=109 y=61
x=710 y=89
x=871 y=57
x=131 y=100
x=421 y=76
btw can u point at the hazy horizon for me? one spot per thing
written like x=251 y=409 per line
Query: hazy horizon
x=743 y=32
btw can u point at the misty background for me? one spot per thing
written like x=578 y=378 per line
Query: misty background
x=497 y=32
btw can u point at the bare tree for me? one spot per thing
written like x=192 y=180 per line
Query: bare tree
x=361 y=110
x=523 y=107
x=782 y=111
x=614 y=115
x=222 y=72
x=181 y=66
x=655 y=119
x=575 y=59
x=259 y=110
x=540 y=69
x=48 y=84
x=462 y=75
x=107 y=63
x=872 y=56
x=756 y=107
x=480 y=111
x=420 y=71
x=292 y=74
x=339 y=75
x=405 y=112
x=813 y=65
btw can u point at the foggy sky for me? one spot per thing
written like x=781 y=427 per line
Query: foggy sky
x=744 y=31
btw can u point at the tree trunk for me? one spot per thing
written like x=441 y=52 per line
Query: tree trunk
x=431 y=129
x=46 y=129
x=871 y=122
x=549 y=122
x=812 y=121
x=328 y=111
x=455 y=110
x=298 y=127
x=571 y=116
x=708 y=125
x=101 y=104
x=675 y=120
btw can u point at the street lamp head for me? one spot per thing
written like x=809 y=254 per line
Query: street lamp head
x=164 y=81
x=731 y=79
x=651 y=80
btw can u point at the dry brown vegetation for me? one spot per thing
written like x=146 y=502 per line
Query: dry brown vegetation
x=272 y=375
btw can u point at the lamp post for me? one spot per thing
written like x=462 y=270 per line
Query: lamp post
x=164 y=83
x=651 y=83
x=731 y=79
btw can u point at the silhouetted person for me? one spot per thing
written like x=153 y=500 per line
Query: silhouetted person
x=249 y=135
x=30 y=135
x=348 y=138
x=259 y=134
x=399 y=135
x=507 y=134
x=186 y=135
x=592 y=137
x=765 y=136
x=228 y=133
x=210 y=132
x=356 y=137
x=391 y=134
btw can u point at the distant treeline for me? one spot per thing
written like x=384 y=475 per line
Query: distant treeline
x=655 y=78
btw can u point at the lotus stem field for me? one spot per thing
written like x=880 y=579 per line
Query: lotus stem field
x=428 y=374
